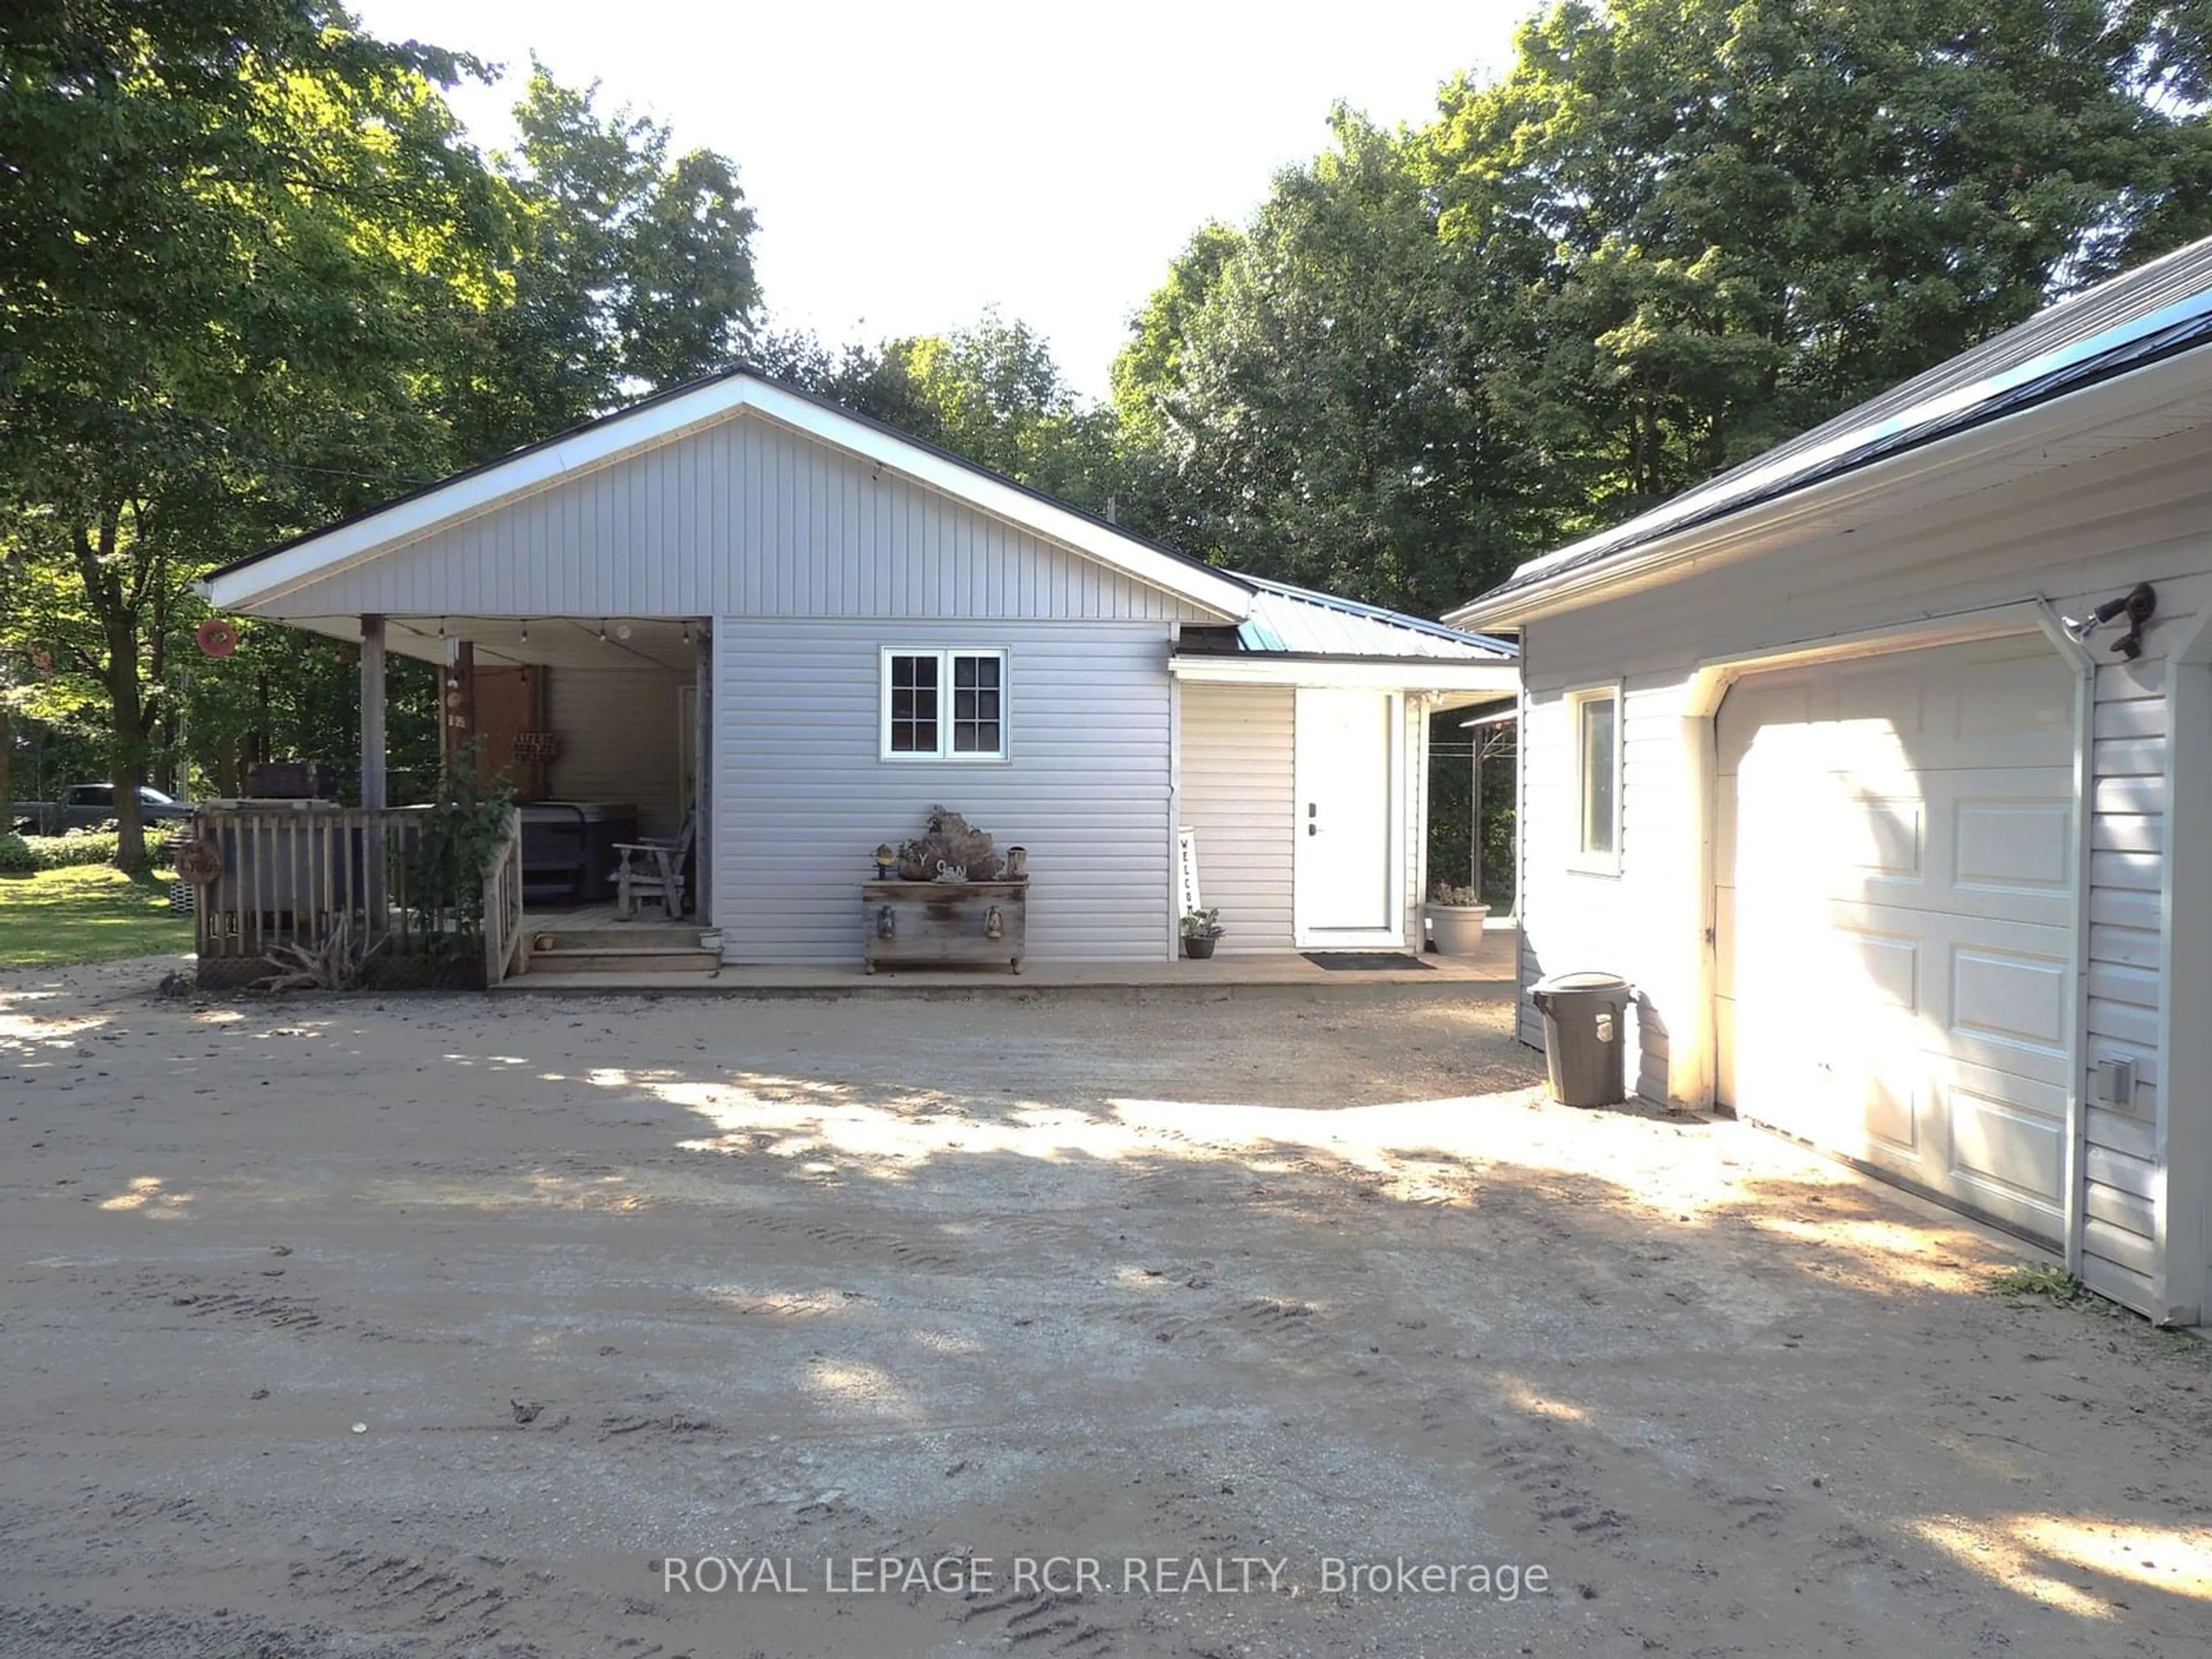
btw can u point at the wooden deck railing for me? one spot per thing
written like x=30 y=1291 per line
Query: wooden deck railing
x=506 y=945
x=296 y=873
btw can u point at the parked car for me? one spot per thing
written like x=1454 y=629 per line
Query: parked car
x=87 y=805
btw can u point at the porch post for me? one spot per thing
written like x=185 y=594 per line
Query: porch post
x=459 y=699
x=1475 y=839
x=372 y=712
x=702 y=773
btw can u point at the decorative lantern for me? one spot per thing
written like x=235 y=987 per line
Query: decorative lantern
x=886 y=861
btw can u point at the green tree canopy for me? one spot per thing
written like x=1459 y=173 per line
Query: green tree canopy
x=1732 y=221
x=1311 y=396
x=232 y=225
x=633 y=267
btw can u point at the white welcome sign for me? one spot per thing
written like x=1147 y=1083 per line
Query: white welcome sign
x=1187 y=899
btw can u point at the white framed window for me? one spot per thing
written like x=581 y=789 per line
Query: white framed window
x=943 y=705
x=1594 y=716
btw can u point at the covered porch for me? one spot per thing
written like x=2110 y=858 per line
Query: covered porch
x=593 y=725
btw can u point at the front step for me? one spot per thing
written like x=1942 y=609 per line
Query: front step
x=626 y=959
x=620 y=936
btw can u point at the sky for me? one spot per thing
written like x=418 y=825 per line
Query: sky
x=913 y=164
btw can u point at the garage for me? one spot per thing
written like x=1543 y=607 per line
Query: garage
x=1894 y=917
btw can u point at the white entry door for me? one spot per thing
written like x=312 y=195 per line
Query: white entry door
x=1346 y=772
x=1895 y=876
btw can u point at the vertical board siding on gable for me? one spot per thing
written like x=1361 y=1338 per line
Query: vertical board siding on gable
x=617 y=728
x=742 y=518
x=1239 y=796
x=1639 y=921
x=802 y=798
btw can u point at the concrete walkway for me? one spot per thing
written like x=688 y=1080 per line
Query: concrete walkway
x=1256 y=974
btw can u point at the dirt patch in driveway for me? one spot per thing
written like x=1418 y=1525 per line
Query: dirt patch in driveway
x=1285 y=1303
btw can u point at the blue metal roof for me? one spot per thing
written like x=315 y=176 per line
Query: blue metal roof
x=2155 y=310
x=1300 y=621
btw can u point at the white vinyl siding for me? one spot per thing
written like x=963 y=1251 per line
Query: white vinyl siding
x=742 y=517
x=2078 y=535
x=619 y=741
x=1237 y=797
x=802 y=799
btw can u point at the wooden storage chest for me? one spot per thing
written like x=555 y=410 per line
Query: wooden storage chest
x=920 y=924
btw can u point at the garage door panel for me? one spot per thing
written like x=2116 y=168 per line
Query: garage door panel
x=2016 y=1002
x=1877 y=693
x=1890 y=1107
x=1996 y=1143
x=1880 y=837
x=1896 y=870
x=1767 y=702
x=2013 y=846
x=2016 y=706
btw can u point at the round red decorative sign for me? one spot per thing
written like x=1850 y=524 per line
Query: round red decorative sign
x=217 y=637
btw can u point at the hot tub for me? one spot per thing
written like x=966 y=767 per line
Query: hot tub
x=568 y=849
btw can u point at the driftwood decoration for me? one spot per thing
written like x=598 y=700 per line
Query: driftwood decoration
x=950 y=841
x=333 y=965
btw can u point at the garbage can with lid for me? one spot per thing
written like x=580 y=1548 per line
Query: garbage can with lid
x=1584 y=1039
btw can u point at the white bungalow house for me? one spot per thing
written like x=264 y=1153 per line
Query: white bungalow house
x=1857 y=762
x=742 y=604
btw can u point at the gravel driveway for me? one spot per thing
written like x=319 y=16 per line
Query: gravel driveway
x=442 y=1328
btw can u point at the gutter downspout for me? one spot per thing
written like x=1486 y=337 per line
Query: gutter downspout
x=2078 y=657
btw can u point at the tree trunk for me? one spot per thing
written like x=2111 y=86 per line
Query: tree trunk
x=7 y=770
x=127 y=768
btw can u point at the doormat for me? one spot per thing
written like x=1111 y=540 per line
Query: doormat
x=1364 y=961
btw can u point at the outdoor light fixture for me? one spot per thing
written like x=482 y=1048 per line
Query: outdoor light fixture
x=687 y=633
x=603 y=631
x=526 y=630
x=2137 y=604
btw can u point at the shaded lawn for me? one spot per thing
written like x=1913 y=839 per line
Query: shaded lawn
x=90 y=913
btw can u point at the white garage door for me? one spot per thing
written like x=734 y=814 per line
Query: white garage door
x=1896 y=915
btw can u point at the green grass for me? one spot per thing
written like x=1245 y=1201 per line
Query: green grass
x=92 y=913
x=2054 y=1283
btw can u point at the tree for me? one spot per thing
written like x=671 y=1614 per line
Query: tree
x=1734 y=221
x=990 y=392
x=633 y=271
x=231 y=224
x=1310 y=397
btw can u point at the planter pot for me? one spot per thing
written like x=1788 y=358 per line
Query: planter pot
x=710 y=938
x=1197 y=949
x=1457 y=928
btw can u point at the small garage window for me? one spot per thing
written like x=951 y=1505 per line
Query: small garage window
x=943 y=705
x=1596 y=718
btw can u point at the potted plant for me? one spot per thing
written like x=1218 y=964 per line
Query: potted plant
x=1200 y=930
x=1457 y=915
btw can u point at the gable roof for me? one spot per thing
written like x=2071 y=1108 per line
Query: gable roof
x=2157 y=311
x=661 y=418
